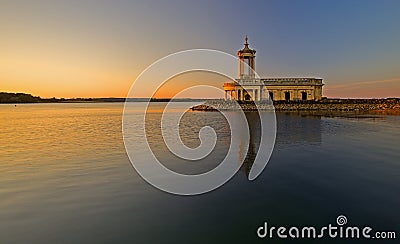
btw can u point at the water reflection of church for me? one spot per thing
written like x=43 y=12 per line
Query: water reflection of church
x=292 y=129
x=249 y=88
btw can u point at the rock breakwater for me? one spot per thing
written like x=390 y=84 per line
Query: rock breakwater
x=389 y=105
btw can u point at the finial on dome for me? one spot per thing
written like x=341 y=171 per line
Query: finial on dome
x=246 y=48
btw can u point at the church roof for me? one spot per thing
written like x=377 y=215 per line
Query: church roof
x=246 y=48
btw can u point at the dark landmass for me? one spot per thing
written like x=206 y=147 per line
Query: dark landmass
x=17 y=98
x=12 y=98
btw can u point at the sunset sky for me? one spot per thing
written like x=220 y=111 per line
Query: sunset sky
x=98 y=48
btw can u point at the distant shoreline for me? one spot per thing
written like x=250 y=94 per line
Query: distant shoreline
x=16 y=98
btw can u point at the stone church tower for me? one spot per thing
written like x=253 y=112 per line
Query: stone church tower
x=249 y=88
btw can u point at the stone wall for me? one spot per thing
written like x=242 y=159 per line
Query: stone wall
x=339 y=105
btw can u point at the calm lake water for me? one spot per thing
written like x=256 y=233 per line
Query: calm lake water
x=65 y=178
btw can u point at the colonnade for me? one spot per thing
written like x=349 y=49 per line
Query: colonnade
x=243 y=94
x=230 y=94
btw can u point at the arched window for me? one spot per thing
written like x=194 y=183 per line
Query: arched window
x=303 y=95
x=287 y=96
x=271 y=96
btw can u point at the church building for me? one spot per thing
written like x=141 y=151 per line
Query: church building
x=249 y=88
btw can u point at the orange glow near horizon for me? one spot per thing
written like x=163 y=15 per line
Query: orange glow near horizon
x=119 y=87
x=189 y=79
x=388 y=88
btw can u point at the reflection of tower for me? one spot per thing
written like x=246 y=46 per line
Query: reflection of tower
x=246 y=56
x=254 y=122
